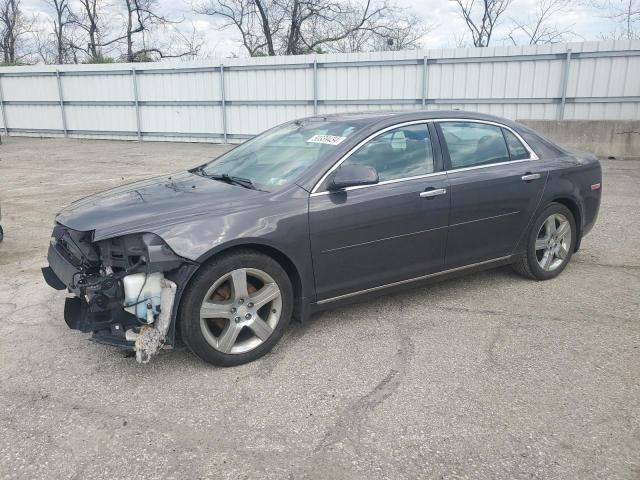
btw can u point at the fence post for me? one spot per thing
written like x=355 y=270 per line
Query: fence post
x=223 y=104
x=136 y=102
x=315 y=86
x=61 y=101
x=424 y=81
x=565 y=81
x=4 y=115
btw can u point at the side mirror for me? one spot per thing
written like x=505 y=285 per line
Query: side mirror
x=352 y=176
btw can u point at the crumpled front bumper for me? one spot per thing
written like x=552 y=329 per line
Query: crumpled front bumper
x=110 y=280
x=108 y=326
x=113 y=325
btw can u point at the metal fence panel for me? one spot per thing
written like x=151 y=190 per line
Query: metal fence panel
x=103 y=88
x=233 y=99
x=27 y=88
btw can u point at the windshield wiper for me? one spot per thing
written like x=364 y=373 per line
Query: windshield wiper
x=232 y=179
x=225 y=177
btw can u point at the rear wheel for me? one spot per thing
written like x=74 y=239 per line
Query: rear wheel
x=550 y=244
x=236 y=308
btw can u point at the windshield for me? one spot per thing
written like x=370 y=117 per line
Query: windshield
x=278 y=156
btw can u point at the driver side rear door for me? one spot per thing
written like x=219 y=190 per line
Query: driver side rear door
x=496 y=183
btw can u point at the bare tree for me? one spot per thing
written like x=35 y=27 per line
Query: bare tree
x=540 y=29
x=398 y=31
x=146 y=33
x=13 y=28
x=20 y=34
x=185 y=41
x=89 y=19
x=291 y=27
x=143 y=19
x=481 y=17
x=257 y=21
x=268 y=24
x=61 y=23
x=626 y=15
x=317 y=24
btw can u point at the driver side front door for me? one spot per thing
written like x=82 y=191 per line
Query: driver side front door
x=371 y=236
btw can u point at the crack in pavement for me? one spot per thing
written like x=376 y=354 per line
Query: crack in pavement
x=347 y=431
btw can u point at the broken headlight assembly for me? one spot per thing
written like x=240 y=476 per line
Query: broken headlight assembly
x=137 y=264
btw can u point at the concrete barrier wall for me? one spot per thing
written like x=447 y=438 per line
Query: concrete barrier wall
x=616 y=138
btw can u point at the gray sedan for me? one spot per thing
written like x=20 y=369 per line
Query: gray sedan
x=312 y=214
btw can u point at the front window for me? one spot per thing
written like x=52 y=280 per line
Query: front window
x=278 y=156
x=403 y=152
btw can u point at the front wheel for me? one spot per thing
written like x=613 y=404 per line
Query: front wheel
x=236 y=308
x=550 y=244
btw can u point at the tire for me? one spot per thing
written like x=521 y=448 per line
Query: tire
x=233 y=330
x=534 y=264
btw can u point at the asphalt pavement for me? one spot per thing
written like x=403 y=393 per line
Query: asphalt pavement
x=488 y=376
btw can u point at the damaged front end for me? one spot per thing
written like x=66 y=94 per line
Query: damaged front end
x=125 y=289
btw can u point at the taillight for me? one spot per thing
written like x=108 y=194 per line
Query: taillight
x=595 y=186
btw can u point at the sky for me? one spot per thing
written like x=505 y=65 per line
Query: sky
x=586 y=22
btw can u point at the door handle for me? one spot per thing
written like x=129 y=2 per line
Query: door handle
x=433 y=192
x=528 y=177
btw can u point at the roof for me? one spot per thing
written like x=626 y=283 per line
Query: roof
x=408 y=115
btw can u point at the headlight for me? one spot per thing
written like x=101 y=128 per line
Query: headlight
x=145 y=250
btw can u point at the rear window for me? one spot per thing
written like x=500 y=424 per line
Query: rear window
x=471 y=144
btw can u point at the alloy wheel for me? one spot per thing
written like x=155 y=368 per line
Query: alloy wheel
x=241 y=310
x=553 y=242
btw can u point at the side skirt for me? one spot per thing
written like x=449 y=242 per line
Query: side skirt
x=411 y=282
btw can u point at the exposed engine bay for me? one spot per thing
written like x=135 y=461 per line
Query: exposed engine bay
x=124 y=289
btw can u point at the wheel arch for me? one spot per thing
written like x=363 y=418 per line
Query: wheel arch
x=574 y=207
x=293 y=271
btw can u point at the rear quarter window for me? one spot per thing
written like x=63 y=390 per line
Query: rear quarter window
x=516 y=149
x=540 y=145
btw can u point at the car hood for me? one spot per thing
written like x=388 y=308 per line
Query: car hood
x=150 y=205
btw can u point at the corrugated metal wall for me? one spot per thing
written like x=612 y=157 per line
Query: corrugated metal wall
x=233 y=99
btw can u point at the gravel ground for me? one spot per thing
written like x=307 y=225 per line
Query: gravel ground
x=487 y=376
